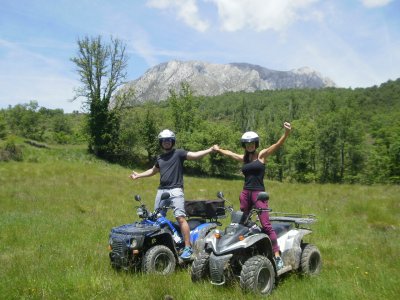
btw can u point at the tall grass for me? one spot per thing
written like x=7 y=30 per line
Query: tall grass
x=58 y=205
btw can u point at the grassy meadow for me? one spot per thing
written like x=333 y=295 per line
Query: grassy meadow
x=58 y=205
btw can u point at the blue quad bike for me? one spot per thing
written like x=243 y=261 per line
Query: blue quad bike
x=243 y=252
x=154 y=244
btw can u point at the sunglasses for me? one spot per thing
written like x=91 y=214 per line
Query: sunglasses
x=250 y=143
x=167 y=140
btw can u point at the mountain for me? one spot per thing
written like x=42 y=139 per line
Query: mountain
x=209 y=79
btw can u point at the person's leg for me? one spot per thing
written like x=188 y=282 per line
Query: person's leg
x=178 y=201
x=157 y=201
x=245 y=201
x=185 y=230
x=265 y=222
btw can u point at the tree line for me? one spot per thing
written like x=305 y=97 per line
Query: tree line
x=338 y=136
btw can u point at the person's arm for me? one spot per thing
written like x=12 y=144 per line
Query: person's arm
x=271 y=149
x=233 y=155
x=199 y=154
x=147 y=173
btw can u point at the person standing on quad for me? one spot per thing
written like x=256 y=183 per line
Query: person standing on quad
x=253 y=169
x=170 y=166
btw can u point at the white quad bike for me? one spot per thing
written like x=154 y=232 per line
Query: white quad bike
x=244 y=252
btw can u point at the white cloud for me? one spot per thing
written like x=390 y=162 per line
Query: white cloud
x=234 y=15
x=375 y=3
x=187 y=11
x=259 y=15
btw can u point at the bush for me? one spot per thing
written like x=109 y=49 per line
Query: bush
x=11 y=151
x=3 y=131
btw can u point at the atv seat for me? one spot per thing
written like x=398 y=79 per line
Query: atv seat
x=281 y=228
x=193 y=223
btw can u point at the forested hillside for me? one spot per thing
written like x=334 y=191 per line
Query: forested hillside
x=339 y=135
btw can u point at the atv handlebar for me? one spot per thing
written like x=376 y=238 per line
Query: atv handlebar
x=143 y=212
x=259 y=210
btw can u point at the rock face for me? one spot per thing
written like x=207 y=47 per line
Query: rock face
x=207 y=79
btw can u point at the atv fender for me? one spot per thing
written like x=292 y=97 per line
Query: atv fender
x=162 y=238
x=199 y=234
x=261 y=241
x=290 y=246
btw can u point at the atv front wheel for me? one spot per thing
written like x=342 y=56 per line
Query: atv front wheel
x=159 y=260
x=200 y=267
x=311 y=262
x=258 y=275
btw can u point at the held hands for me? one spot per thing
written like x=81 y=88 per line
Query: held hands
x=215 y=148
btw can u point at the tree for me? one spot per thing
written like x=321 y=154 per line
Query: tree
x=302 y=156
x=102 y=69
x=24 y=120
x=183 y=108
x=149 y=132
x=3 y=127
x=328 y=145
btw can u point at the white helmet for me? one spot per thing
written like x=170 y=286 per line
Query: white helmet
x=166 y=134
x=250 y=136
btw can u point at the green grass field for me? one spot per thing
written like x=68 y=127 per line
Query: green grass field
x=58 y=205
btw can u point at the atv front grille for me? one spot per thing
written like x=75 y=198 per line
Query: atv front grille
x=119 y=254
x=119 y=246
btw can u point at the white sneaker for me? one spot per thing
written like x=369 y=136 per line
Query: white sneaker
x=278 y=262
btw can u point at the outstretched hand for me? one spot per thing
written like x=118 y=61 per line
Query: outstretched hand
x=287 y=126
x=134 y=175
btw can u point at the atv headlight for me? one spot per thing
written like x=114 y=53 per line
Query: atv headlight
x=110 y=241
x=134 y=243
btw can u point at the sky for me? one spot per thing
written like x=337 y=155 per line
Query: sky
x=356 y=43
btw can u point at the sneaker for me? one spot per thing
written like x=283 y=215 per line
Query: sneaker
x=187 y=253
x=279 y=263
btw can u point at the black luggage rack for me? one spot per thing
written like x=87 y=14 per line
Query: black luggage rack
x=210 y=209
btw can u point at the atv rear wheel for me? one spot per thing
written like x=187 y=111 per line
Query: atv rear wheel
x=258 y=275
x=159 y=260
x=200 y=267
x=311 y=262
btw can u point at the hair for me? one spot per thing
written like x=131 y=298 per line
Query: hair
x=246 y=157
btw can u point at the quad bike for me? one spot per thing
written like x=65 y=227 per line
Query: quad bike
x=154 y=244
x=244 y=252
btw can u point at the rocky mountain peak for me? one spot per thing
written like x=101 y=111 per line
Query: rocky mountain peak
x=210 y=79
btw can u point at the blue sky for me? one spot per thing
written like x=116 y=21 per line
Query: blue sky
x=356 y=43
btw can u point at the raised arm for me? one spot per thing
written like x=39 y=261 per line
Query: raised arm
x=147 y=173
x=233 y=155
x=271 y=149
x=199 y=154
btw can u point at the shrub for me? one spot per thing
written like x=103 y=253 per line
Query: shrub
x=11 y=151
x=3 y=131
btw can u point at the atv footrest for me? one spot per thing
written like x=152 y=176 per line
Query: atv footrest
x=284 y=270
